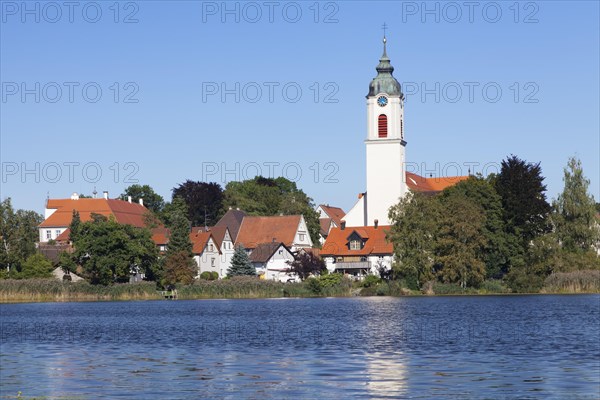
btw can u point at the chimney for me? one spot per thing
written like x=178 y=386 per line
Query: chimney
x=105 y=195
x=230 y=207
x=141 y=202
x=74 y=196
x=343 y=224
x=129 y=199
x=237 y=208
x=376 y=223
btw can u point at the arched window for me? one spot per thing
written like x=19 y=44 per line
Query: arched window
x=382 y=123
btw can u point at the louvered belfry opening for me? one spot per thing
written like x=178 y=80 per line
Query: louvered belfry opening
x=383 y=126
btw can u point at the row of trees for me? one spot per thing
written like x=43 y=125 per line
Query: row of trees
x=499 y=227
x=207 y=202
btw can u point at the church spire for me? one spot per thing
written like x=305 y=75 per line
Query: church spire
x=385 y=82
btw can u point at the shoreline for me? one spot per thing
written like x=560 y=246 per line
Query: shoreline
x=60 y=299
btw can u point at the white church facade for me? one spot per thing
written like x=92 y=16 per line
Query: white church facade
x=387 y=179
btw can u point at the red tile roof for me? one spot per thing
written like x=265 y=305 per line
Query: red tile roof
x=417 y=183
x=257 y=230
x=325 y=224
x=199 y=241
x=65 y=236
x=123 y=211
x=217 y=231
x=160 y=236
x=375 y=244
x=335 y=213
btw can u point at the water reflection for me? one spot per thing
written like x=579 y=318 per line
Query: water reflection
x=536 y=346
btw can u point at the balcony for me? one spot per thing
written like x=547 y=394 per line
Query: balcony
x=345 y=265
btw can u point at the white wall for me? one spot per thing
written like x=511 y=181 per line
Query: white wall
x=356 y=215
x=209 y=259
x=302 y=237
x=54 y=233
x=227 y=250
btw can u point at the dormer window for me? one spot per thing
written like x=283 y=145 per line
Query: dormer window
x=355 y=244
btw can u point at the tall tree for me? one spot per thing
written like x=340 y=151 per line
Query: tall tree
x=204 y=201
x=179 y=228
x=36 y=266
x=461 y=241
x=498 y=250
x=178 y=269
x=576 y=224
x=415 y=226
x=18 y=235
x=521 y=186
x=152 y=200
x=240 y=263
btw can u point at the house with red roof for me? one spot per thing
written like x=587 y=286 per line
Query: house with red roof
x=329 y=217
x=59 y=213
x=213 y=249
x=291 y=230
x=358 y=251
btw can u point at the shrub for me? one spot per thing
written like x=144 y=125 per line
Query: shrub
x=370 y=281
x=573 y=282
x=214 y=275
x=206 y=276
x=314 y=285
x=330 y=280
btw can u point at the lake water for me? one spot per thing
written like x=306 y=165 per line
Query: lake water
x=379 y=347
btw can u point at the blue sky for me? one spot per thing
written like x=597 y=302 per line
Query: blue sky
x=219 y=91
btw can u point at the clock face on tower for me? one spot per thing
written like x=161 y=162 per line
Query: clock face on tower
x=382 y=101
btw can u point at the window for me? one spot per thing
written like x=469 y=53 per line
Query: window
x=402 y=129
x=302 y=237
x=212 y=262
x=211 y=248
x=281 y=252
x=355 y=245
x=382 y=126
x=57 y=232
x=48 y=234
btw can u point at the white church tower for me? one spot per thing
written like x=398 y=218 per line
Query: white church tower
x=385 y=148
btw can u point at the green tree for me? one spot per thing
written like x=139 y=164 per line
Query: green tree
x=240 y=263
x=525 y=209
x=415 y=226
x=306 y=264
x=204 y=201
x=461 y=241
x=75 y=226
x=18 y=235
x=152 y=200
x=497 y=251
x=179 y=227
x=178 y=269
x=110 y=252
x=576 y=224
x=36 y=266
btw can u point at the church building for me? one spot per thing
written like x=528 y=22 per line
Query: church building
x=387 y=179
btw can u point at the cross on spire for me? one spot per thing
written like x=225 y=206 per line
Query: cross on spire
x=384 y=27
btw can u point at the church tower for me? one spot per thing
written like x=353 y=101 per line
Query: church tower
x=385 y=143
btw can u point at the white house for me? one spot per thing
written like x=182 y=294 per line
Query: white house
x=222 y=238
x=206 y=252
x=290 y=230
x=358 y=251
x=59 y=213
x=271 y=261
x=329 y=217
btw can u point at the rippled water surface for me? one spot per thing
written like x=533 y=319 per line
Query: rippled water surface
x=422 y=347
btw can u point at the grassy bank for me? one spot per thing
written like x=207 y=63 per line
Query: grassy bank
x=40 y=290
